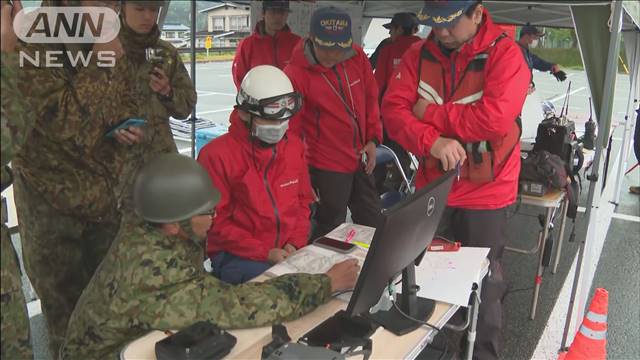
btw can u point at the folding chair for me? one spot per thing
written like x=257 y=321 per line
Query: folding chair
x=384 y=155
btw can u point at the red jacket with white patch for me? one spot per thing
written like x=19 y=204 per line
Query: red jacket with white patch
x=390 y=57
x=266 y=193
x=262 y=49
x=340 y=111
x=506 y=78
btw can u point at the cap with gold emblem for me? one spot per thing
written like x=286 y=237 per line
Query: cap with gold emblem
x=443 y=13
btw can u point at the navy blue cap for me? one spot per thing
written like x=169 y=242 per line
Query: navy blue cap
x=275 y=4
x=531 y=30
x=331 y=28
x=443 y=13
x=403 y=19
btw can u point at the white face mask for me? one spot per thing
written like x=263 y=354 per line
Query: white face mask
x=534 y=43
x=269 y=133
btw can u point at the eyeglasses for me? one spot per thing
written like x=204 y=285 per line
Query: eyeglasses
x=209 y=213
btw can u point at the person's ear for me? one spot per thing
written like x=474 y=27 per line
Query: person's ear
x=172 y=229
x=477 y=15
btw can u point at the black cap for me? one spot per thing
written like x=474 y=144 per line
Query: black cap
x=531 y=30
x=403 y=20
x=275 y=4
x=331 y=28
x=443 y=13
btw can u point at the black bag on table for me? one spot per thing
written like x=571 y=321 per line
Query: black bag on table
x=202 y=341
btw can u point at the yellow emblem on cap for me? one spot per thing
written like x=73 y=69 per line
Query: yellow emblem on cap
x=439 y=19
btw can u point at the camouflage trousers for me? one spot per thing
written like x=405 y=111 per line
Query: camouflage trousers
x=15 y=321
x=61 y=253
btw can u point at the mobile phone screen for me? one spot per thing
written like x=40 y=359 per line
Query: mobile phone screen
x=334 y=244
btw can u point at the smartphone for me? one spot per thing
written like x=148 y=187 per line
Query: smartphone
x=132 y=122
x=335 y=245
x=155 y=58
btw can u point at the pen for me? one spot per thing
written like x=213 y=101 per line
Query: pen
x=458 y=171
x=350 y=235
x=361 y=244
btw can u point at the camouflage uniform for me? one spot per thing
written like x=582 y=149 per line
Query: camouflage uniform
x=152 y=281
x=17 y=122
x=64 y=191
x=151 y=106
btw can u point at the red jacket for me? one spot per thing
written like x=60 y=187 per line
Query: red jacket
x=389 y=59
x=333 y=137
x=505 y=88
x=261 y=49
x=265 y=191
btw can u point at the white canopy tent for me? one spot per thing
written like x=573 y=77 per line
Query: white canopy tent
x=599 y=26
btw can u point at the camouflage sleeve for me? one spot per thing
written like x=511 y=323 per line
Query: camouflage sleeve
x=256 y=304
x=75 y=105
x=17 y=118
x=184 y=95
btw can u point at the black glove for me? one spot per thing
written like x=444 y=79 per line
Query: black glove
x=560 y=75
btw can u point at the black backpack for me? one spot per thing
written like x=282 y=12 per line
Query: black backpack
x=549 y=169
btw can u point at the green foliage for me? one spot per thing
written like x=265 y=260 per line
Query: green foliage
x=560 y=38
x=180 y=13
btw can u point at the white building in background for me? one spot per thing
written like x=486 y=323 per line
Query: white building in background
x=176 y=34
x=227 y=24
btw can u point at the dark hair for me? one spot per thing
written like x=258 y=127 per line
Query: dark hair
x=472 y=8
x=408 y=30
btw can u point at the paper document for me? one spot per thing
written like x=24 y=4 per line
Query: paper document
x=312 y=259
x=449 y=276
x=358 y=234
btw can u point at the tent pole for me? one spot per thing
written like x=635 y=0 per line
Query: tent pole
x=632 y=102
x=193 y=76
x=581 y=288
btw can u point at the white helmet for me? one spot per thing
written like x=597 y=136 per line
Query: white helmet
x=267 y=92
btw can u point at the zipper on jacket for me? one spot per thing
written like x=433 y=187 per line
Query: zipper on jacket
x=273 y=200
x=453 y=74
x=353 y=121
x=275 y=52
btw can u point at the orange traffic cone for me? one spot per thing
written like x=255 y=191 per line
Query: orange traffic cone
x=591 y=342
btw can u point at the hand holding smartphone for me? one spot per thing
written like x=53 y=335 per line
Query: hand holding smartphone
x=132 y=122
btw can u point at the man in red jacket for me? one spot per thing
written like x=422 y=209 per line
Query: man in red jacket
x=263 y=179
x=340 y=120
x=454 y=101
x=402 y=28
x=270 y=44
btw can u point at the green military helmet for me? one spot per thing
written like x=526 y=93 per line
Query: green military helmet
x=172 y=188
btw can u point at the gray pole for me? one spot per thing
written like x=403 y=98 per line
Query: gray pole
x=594 y=180
x=193 y=76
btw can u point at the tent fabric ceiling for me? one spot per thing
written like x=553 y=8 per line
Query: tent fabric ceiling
x=547 y=13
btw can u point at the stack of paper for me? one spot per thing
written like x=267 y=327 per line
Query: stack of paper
x=312 y=259
x=358 y=234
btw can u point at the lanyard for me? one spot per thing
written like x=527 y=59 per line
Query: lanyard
x=350 y=109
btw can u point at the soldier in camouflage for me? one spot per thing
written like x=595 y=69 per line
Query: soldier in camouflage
x=159 y=83
x=64 y=192
x=153 y=278
x=17 y=121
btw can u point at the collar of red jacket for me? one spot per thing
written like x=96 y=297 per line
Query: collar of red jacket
x=259 y=29
x=239 y=130
x=406 y=39
x=487 y=34
x=302 y=56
